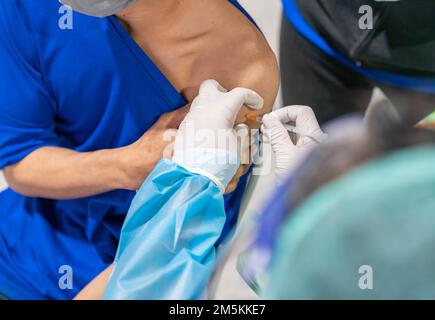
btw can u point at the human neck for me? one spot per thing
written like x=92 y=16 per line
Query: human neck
x=169 y=20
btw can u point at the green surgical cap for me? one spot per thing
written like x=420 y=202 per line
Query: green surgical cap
x=367 y=235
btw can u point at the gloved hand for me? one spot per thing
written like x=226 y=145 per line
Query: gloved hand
x=206 y=142
x=288 y=154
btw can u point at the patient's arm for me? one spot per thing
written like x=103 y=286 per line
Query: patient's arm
x=261 y=77
x=95 y=289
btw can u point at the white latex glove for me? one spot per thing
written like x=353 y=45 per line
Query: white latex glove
x=206 y=142
x=288 y=154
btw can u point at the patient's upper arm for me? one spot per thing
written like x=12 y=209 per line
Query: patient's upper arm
x=263 y=77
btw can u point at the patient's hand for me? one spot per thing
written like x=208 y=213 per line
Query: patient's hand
x=141 y=157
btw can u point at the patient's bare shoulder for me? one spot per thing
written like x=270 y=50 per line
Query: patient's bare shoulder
x=258 y=71
x=252 y=56
x=262 y=74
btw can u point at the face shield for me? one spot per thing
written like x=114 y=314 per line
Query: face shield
x=97 y=8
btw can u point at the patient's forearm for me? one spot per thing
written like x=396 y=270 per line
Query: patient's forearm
x=58 y=173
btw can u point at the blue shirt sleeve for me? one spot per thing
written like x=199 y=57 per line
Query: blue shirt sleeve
x=27 y=110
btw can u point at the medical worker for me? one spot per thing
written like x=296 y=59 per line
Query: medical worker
x=334 y=52
x=352 y=221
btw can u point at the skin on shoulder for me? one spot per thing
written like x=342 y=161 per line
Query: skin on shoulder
x=196 y=40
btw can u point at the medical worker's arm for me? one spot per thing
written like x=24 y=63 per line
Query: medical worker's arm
x=57 y=173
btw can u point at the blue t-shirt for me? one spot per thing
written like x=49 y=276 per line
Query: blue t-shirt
x=86 y=88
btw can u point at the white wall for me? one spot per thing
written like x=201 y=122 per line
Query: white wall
x=267 y=14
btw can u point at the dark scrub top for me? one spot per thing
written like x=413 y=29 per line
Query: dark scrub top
x=86 y=88
x=399 y=50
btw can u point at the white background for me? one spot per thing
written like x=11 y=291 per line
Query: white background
x=2 y=182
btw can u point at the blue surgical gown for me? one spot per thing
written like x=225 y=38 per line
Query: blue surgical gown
x=86 y=88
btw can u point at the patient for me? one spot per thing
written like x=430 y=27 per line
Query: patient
x=191 y=41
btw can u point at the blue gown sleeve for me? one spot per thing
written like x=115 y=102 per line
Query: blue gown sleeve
x=27 y=110
x=167 y=248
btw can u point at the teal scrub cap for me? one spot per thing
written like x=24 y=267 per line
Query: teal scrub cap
x=368 y=235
